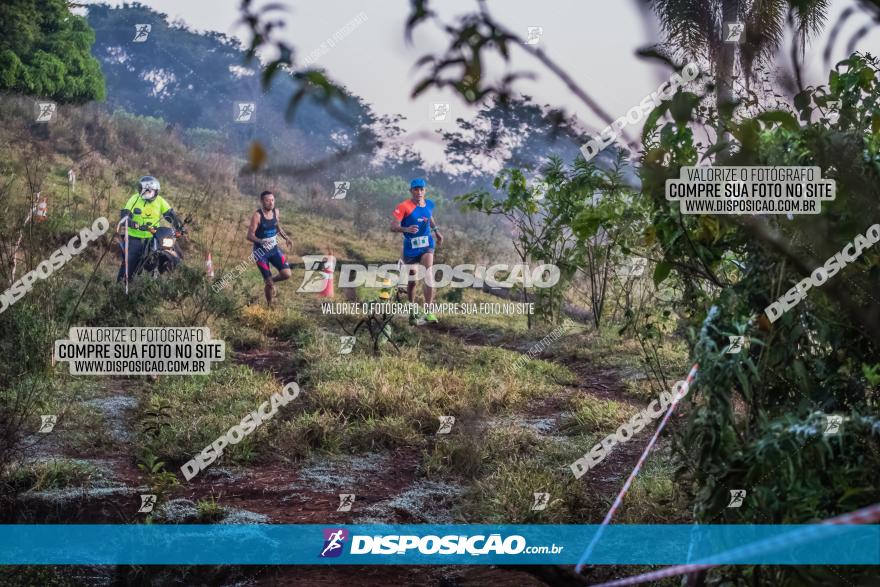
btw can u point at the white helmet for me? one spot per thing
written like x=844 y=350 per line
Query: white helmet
x=148 y=182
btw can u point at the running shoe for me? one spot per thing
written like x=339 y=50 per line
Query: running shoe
x=430 y=317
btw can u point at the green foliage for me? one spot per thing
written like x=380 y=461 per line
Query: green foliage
x=506 y=495
x=205 y=407
x=310 y=431
x=756 y=418
x=542 y=213
x=518 y=134
x=46 y=51
x=25 y=371
x=612 y=223
x=473 y=38
x=204 y=139
x=209 y=510
x=28 y=329
x=157 y=417
x=591 y=415
x=161 y=481
x=181 y=297
x=580 y=219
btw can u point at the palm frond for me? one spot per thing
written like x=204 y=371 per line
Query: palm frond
x=765 y=29
x=689 y=24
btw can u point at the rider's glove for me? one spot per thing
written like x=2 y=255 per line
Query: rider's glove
x=171 y=216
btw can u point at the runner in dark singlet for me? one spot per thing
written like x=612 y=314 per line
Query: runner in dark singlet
x=264 y=231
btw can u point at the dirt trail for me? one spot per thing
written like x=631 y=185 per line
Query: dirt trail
x=276 y=358
x=387 y=485
x=308 y=494
x=602 y=383
x=385 y=576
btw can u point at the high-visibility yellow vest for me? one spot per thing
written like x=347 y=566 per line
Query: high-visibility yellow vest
x=143 y=212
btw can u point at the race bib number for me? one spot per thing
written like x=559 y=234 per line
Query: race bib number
x=419 y=242
x=269 y=243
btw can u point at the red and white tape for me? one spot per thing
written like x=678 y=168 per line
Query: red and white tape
x=866 y=515
x=619 y=499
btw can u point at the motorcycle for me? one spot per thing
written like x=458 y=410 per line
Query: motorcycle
x=163 y=254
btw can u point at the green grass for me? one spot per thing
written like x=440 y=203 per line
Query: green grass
x=470 y=455
x=359 y=402
x=504 y=326
x=83 y=427
x=315 y=235
x=50 y=474
x=653 y=498
x=416 y=387
x=606 y=349
x=242 y=338
x=589 y=414
x=373 y=434
x=503 y=491
x=86 y=429
x=310 y=432
x=506 y=495
x=276 y=322
x=322 y=432
x=209 y=510
x=203 y=407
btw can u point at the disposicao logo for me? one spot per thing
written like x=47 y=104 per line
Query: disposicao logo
x=479 y=545
x=353 y=275
x=334 y=538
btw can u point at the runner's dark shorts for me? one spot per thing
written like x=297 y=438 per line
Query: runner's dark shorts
x=415 y=258
x=274 y=256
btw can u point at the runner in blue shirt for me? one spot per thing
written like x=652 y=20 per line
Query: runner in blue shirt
x=414 y=220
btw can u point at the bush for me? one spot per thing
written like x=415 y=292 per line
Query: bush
x=25 y=377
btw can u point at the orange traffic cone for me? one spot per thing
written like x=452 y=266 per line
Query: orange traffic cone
x=329 y=267
x=209 y=267
x=42 y=212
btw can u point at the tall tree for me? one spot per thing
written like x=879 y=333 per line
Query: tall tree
x=45 y=51
x=696 y=28
x=516 y=133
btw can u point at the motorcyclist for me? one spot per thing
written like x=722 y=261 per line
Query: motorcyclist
x=143 y=210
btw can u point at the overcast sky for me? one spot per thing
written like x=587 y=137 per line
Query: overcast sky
x=593 y=40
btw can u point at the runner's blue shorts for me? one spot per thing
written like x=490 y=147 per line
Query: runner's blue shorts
x=412 y=260
x=273 y=256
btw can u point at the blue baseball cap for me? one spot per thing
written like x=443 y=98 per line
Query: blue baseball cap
x=417 y=183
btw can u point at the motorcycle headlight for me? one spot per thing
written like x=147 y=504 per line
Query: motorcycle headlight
x=167 y=243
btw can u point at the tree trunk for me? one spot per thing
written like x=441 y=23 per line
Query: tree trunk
x=724 y=94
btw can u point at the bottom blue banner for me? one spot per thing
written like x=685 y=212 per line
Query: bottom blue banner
x=425 y=544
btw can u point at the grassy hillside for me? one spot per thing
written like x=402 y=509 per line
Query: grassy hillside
x=518 y=424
